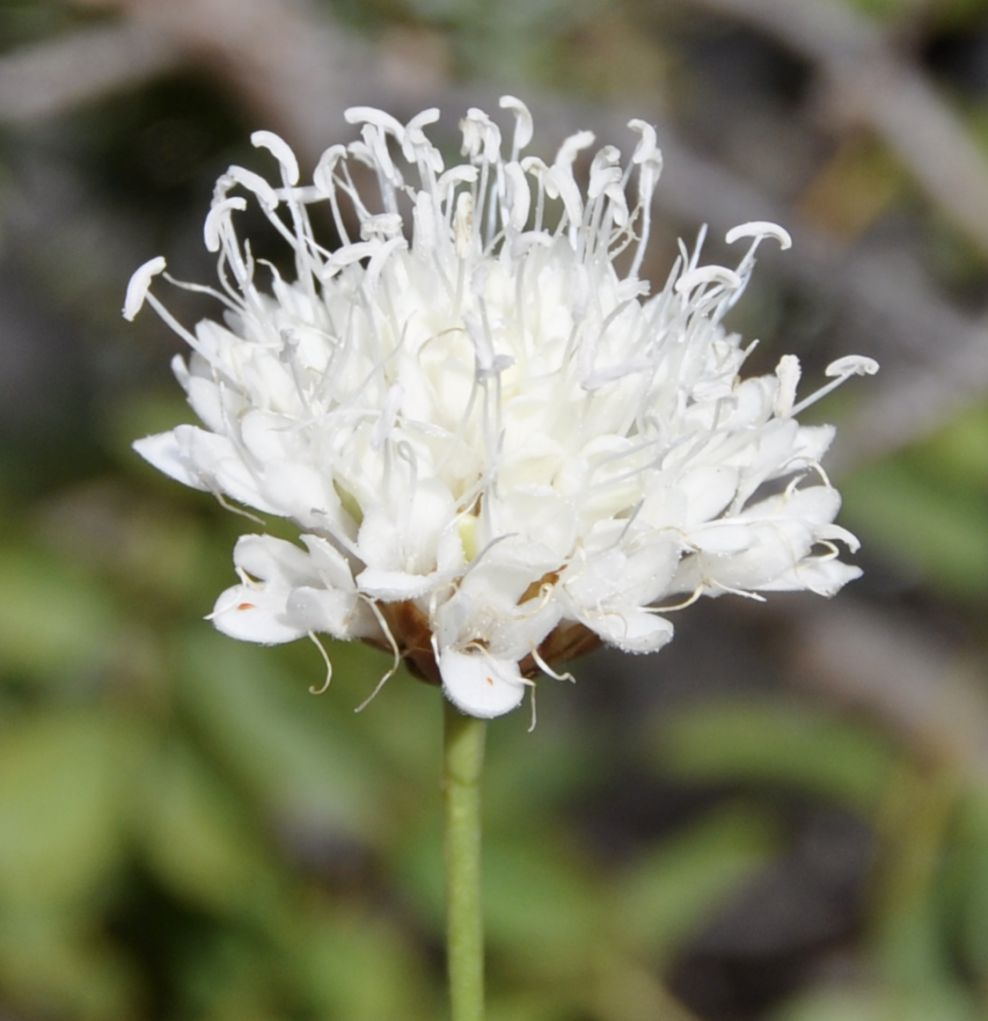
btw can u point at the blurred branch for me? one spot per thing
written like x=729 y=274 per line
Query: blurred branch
x=915 y=687
x=870 y=83
x=289 y=63
x=58 y=75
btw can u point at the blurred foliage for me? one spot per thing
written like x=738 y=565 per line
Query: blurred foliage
x=928 y=507
x=187 y=832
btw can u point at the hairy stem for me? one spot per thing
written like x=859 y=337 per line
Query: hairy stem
x=463 y=759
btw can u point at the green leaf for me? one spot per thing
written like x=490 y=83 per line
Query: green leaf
x=537 y=892
x=969 y=881
x=930 y=1003
x=195 y=836
x=62 y=782
x=57 y=965
x=294 y=752
x=55 y=621
x=667 y=895
x=775 y=742
x=351 y=962
x=927 y=508
x=227 y=974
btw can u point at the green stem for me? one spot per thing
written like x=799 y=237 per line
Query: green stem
x=463 y=760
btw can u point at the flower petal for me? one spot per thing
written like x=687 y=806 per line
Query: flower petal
x=255 y=614
x=164 y=452
x=390 y=585
x=631 y=630
x=479 y=685
x=322 y=609
x=273 y=560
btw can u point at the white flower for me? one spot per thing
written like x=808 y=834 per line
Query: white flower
x=500 y=450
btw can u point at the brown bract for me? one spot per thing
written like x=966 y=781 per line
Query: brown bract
x=410 y=627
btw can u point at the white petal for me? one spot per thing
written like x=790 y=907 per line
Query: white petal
x=708 y=490
x=206 y=399
x=168 y=455
x=269 y=437
x=329 y=563
x=631 y=630
x=271 y=559
x=817 y=505
x=812 y=442
x=479 y=685
x=322 y=610
x=836 y=533
x=255 y=615
x=219 y=465
x=302 y=492
x=721 y=538
x=824 y=577
x=390 y=585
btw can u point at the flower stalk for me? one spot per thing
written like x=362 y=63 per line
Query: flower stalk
x=463 y=759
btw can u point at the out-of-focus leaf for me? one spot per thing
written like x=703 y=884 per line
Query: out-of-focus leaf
x=957 y=456
x=55 y=621
x=54 y=965
x=536 y=893
x=932 y=1003
x=195 y=837
x=881 y=8
x=350 y=962
x=283 y=743
x=539 y=894
x=135 y=544
x=928 y=508
x=776 y=743
x=401 y=727
x=668 y=894
x=515 y=788
x=908 y=890
x=943 y=12
x=969 y=875
x=61 y=801
x=228 y=975
x=559 y=1002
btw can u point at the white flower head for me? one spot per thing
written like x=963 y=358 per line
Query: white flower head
x=499 y=451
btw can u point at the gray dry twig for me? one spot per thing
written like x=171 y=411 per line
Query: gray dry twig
x=870 y=83
x=58 y=75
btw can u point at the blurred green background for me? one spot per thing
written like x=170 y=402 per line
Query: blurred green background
x=782 y=817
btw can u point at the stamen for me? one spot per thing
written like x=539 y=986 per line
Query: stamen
x=313 y=690
x=281 y=151
x=375 y=609
x=843 y=369
x=140 y=282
